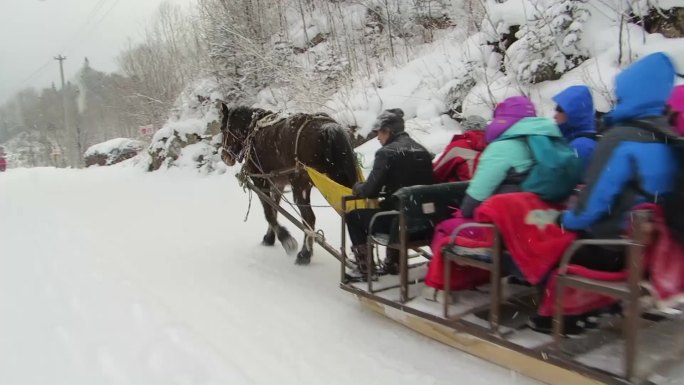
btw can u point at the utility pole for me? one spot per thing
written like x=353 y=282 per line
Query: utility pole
x=61 y=59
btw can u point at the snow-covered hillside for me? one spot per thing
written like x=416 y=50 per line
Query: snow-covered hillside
x=459 y=71
x=115 y=276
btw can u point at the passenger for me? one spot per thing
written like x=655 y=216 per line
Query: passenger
x=631 y=165
x=399 y=163
x=676 y=109
x=503 y=167
x=504 y=164
x=575 y=116
x=674 y=206
x=459 y=160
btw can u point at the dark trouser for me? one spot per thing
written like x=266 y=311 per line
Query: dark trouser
x=595 y=258
x=600 y=258
x=358 y=221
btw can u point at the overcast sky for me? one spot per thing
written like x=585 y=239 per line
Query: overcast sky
x=32 y=32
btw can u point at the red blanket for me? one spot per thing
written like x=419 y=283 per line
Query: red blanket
x=462 y=277
x=663 y=263
x=665 y=260
x=528 y=229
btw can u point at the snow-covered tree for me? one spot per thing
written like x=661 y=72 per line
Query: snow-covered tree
x=331 y=67
x=548 y=44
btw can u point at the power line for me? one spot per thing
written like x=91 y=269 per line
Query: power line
x=83 y=26
x=30 y=77
x=71 y=41
x=99 y=21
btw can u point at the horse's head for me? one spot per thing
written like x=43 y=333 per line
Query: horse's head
x=235 y=127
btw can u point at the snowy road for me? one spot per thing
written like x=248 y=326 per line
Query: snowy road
x=112 y=276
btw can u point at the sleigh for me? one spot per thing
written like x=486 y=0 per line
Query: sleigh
x=643 y=346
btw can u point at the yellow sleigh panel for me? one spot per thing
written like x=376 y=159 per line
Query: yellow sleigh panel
x=333 y=191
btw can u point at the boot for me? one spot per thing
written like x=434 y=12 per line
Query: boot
x=573 y=325
x=360 y=255
x=391 y=263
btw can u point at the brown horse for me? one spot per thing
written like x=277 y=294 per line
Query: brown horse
x=269 y=143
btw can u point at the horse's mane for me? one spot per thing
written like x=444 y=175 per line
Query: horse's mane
x=241 y=109
x=259 y=113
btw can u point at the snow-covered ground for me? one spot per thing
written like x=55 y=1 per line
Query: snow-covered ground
x=113 y=276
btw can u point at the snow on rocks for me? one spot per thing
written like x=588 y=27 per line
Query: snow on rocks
x=191 y=137
x=112 y=151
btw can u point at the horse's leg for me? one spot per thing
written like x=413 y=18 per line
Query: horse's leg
x=301 y=190
x=270 y=237
x=274 y=228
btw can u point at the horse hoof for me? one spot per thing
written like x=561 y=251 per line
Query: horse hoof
x=290 y=245
x=303 y=258
x=269 y=240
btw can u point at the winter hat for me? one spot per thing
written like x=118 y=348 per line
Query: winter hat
x=392 y=120
x=474 y=123
x=508 y=113
x=676 y=104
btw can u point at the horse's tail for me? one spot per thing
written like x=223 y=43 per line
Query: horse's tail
x=340 y=153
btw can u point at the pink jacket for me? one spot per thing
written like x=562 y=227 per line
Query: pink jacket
x=676 y=103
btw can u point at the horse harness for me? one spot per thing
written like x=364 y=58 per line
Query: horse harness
x=268 y=121
x=243 y=176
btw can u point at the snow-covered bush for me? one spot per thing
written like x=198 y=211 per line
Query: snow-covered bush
x=459 y=87
x=331 y=67
x=547 y=43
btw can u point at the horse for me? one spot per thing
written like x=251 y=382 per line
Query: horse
x=274 y=150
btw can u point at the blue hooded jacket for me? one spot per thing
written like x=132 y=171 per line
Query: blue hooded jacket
x=578 y=106
x=642 y=89
x=628 y=160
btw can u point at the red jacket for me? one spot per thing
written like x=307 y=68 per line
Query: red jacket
x=459 y=159
x=3 y=163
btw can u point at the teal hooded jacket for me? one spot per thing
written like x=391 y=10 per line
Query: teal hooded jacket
x=506 y=161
